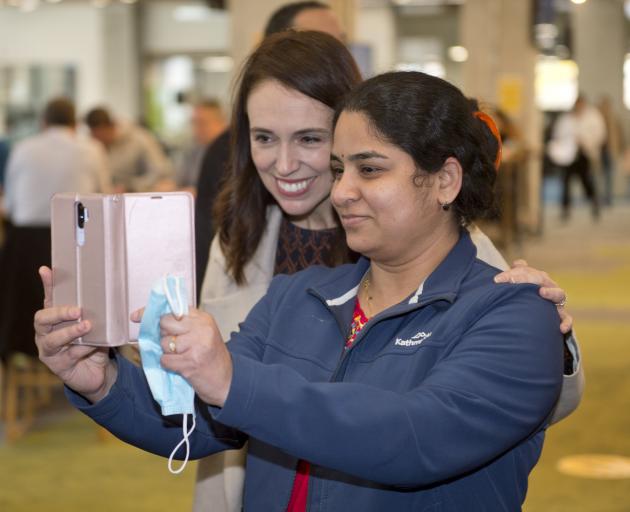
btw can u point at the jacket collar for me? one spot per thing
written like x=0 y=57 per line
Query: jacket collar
x=444 y=281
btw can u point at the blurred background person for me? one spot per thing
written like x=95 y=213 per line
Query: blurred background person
x=207 y=123
x=55 y=160
x=295 y=15
x=575 y=146
x=137 y=161
x=611 y=149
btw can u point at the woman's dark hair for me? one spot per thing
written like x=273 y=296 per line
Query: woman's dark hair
x=312 y=63
x=431 y=120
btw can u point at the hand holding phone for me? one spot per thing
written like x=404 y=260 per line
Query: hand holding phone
x=85 y=369
x=109 y=250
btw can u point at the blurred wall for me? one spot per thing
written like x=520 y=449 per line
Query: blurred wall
x=99 y=43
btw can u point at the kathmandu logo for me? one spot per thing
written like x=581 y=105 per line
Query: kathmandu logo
x=416 y=339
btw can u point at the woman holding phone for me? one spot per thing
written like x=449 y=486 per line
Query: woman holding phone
x=289 y=184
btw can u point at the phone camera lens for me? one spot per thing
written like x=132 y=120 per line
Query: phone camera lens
x=81 y=215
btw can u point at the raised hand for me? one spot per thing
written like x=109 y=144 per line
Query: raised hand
x=521 y=272
x=193 y=347
x=85 y=369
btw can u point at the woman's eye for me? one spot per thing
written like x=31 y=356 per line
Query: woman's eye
x=262 y=138
x=309 y=139
x=336 y=172
x=369 y=170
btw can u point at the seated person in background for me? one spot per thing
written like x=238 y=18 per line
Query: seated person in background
x=407 y=380
x=137 y=161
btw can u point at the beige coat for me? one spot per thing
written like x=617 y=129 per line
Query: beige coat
x=220 y=477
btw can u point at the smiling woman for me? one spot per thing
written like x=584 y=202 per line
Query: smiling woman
x=460 y=375
x=290 y=139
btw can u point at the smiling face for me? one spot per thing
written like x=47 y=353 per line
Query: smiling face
x=389 y=212
x=291 y=136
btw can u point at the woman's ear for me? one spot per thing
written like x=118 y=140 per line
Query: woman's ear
x=449 y=180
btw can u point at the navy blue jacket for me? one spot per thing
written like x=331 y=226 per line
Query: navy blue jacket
x=440 y=404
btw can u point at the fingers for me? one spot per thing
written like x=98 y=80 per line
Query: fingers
x=54 y=341
x=74 y=353
x=169 y=325
x=566 y=323
x=555 y=295
x=529 y=275
x=195 y=318
x=45 y=319
x=520 y=275
x=519 y=263
x=174 y=344
x=46 y=276
x=137 y=315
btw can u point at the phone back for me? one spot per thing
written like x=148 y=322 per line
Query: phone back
x=109 y=250
x=88 y=263
x=159 y=241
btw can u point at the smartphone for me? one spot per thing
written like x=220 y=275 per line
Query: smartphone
x=109 y=250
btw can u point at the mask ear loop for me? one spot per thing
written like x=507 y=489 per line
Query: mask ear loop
x=177 y=306
x=186 y=440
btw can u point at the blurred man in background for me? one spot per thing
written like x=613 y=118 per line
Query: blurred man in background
x=55 y=160
x=137 y=161
x=207 y=123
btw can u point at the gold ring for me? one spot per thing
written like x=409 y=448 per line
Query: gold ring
x=172 y=346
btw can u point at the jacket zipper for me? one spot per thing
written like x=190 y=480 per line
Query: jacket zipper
x=345 y=353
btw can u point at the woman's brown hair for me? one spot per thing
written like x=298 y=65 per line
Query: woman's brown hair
x=313 y=63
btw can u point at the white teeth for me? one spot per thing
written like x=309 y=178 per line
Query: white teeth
x=293 y=187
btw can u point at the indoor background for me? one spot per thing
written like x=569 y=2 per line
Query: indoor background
x=150 y=61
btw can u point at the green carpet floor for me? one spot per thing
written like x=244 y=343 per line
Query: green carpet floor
x=65 y=467
x=62 y=466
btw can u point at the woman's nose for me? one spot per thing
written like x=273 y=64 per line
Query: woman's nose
x=287 y=161
x=344 y=190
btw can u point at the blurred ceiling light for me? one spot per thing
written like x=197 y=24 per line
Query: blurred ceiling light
x=191 y=13
x=54 y=1
x=578 y=2
x=626 y=8
x=458 y=54
x=218 y=64
x=128 y=1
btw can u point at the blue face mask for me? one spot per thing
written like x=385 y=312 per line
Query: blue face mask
x=169 y=389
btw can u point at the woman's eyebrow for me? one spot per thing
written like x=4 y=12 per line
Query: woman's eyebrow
x=364 y=155
x=323 y=131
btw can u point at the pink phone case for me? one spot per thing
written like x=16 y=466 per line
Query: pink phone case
x=108 y=262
